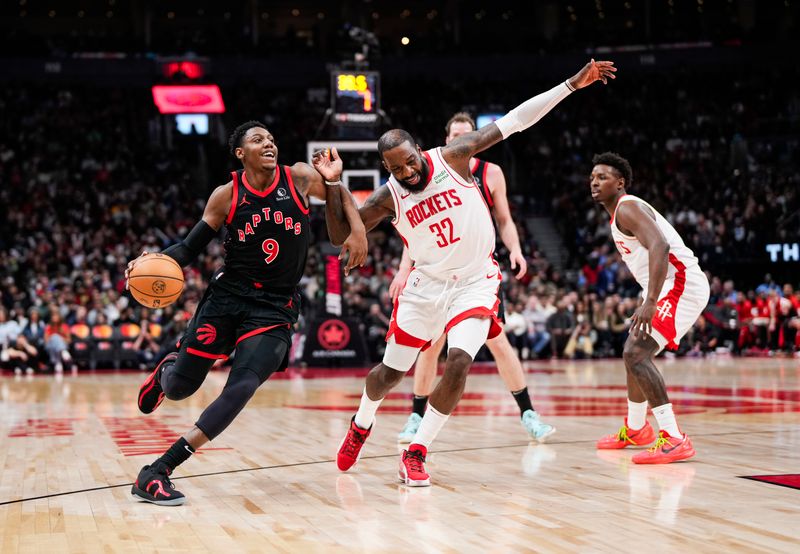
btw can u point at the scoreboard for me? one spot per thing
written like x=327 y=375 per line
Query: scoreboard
x=355 y=97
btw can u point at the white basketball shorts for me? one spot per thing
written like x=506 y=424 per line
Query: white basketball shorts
x=427 y=307
x=683 y=298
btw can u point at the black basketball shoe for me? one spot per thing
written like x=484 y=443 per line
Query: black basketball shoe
x=153 y=485
x=150 y=393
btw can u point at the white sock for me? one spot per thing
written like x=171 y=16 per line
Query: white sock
x=429 y=427
x=365 y=416
x=666 y=420
x=637 y=414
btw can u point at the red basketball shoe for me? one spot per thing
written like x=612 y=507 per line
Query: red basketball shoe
x=666 y=449
x=350 y=449
x=412 y=467
x=628 y=437
x=150 y=393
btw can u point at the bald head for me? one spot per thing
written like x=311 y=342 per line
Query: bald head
x=403 y=159
x=394 y=138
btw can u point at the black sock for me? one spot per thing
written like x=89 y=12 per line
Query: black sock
x=523 y=400
x=176 y=455
x=420 y=402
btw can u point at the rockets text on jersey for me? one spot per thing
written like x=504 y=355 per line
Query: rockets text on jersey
x=446 y=226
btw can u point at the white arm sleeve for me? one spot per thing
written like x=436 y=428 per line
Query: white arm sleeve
x=532 y=110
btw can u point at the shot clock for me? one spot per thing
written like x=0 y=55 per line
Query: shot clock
x=355 y=97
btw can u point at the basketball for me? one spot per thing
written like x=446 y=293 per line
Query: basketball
x=156 y=281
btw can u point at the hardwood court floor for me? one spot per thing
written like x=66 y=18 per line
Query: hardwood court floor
x=71 y=448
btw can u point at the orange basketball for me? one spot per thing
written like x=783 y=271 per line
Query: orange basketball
x=156 y=281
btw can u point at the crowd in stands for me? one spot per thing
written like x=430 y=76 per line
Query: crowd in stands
x=85 y=186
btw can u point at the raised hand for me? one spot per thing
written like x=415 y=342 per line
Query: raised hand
x=593 y=71
x=328 y=164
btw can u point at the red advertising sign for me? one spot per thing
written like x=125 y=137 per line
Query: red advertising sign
x=188 y=99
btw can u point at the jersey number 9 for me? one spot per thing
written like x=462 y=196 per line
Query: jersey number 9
x=270 y=248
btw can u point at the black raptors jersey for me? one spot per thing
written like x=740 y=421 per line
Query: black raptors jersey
x=479 y=170
x=268 y=234
x=479 y=175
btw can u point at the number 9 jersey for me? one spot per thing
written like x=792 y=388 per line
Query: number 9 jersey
x=447 y=227
x=268 y=234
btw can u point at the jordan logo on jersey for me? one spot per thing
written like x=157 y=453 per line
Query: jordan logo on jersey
x=429 y=207
x=664 y=310
x=244 y=201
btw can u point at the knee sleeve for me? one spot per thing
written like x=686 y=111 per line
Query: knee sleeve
x=261 y=354
x=256 y=359
x=181 y=378
x=399 y=357
x=238 y=391
x=177 y=386
x=469 y=335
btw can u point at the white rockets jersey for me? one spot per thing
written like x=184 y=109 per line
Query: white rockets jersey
x=636 y=256
x=447 y=226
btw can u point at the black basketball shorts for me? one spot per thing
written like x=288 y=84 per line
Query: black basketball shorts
x=224 y=319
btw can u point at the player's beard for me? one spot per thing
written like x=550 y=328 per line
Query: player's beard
x=423 y=180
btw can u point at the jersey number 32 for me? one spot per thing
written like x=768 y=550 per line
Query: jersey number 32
x=444 y=232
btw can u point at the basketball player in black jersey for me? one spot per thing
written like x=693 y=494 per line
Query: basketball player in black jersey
x=251 y=303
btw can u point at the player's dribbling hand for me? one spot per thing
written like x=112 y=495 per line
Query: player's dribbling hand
x=328 y=163
x=518 y=260
x=130 y=267
x=593 y=71
x=355 y=245
x=397 y=283
x=642 y=320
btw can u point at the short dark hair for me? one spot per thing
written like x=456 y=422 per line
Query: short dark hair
x=394 y=138
x=460 y=117
x=620 y=165
x=235 y=140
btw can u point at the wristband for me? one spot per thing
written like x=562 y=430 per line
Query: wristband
x=569 y=86
x=333 y=183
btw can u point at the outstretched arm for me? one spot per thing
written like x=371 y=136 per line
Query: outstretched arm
x=638 y=221
x=378 y=206
x=526 y=114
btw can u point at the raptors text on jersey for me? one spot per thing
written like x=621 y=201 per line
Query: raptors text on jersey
x=267 y=239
